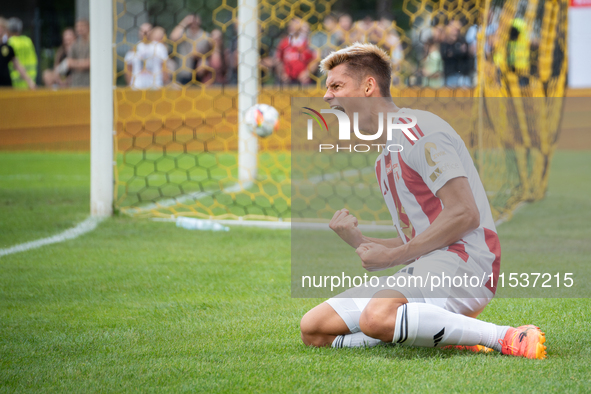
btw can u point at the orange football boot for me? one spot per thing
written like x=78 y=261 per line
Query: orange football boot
x=525 y=341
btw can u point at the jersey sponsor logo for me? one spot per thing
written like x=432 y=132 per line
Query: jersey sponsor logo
x=437 y=155
x=438 y=337
x=435 y=174
x=5 y=51
x=442 y=169
x=431 y=156
x=428 y=147
x=393 y=167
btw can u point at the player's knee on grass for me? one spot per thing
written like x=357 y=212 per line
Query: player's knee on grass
x=310 y=331
x=378 y=319
x=317 y=340
x=320 y=326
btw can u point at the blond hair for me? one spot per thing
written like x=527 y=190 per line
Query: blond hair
x=362 y=60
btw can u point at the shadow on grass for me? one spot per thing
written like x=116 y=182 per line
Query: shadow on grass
x=397 y=352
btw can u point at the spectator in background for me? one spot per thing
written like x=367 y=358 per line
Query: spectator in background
x=148 y=61
x=268 y=63
x=327 y=39
x=388 y=38
x=24 y=50
x=432 y=65
x=294 y=56
x=490 y=36
x=472 y=38
x=132 y=64
x=58 y=76
x=518 y=51
x=192 y=46
x=457 y=61
x=379 y=32
x=234 y=56
x=435 y=31
x=3 y=30
x=432 y=29
x=345 y=29
x=79 y=56
x=7 y=57
x=219 y=60
x=324 y=41
x=363 y=31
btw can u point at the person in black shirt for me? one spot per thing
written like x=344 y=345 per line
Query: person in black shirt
x=7 y=56
x=457 y=60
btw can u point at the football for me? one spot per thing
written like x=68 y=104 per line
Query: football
x=262 y=120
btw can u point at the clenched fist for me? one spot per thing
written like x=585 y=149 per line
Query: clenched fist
x=376 y=257
x=345 y=225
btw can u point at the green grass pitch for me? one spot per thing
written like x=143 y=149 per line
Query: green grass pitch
x=139 y=306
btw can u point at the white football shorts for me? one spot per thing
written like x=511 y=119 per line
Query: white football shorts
x=439 y=278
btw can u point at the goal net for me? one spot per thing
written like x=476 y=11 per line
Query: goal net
x=180 y=80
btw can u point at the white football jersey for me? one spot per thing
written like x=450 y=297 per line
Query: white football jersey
x=146 y=65
x=410 y=179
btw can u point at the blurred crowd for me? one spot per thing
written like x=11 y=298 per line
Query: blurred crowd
x=192 y=55
x=438 y=53
x=18 y=58
x=446 y=52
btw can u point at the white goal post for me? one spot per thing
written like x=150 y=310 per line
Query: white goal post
x=248 y=87
x=101 y=108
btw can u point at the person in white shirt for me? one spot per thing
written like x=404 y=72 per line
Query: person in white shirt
x=146 y=65
x=143 y=32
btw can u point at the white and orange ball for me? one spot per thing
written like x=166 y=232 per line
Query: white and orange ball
x=262 y=120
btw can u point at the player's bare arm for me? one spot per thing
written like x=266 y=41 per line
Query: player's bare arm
x=459 y=216
x=346 y=227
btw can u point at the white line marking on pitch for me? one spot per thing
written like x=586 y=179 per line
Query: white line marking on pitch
x=88 y=225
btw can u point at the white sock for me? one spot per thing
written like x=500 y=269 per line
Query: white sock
x=428 y=325
x=358 y=339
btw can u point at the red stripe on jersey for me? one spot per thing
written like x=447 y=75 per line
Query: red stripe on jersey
x=403 y=217
x=492 y=241
x=460 y=250
x=379 y=174
x=410 y=131
x=413 y=130
x=430 y=204
x=419 y=130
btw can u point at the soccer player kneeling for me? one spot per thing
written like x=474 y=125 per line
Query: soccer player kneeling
x=444 y=223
